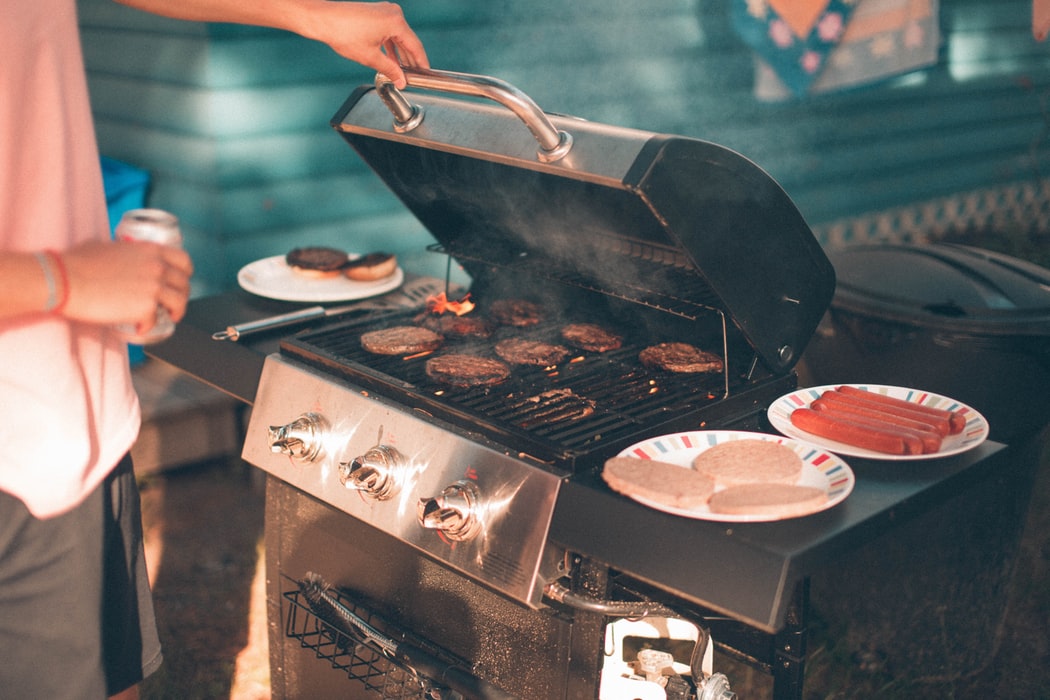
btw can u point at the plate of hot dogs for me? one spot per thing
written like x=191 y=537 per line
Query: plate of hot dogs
x=878 y=421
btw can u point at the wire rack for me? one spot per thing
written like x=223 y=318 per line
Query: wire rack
x=360 y=660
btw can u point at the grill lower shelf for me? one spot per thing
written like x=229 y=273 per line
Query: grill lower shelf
x=360 y=659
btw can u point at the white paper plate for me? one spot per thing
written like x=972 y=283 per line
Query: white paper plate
x=819 y=468
x=274 y=279
x=976 y=431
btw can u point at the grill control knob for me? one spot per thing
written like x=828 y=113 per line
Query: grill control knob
x=300 y=439
x=374 y=473
x=453 y=512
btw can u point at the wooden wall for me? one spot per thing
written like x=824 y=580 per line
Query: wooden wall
x=233 y=121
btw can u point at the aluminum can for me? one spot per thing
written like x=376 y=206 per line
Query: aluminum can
x=153 y=226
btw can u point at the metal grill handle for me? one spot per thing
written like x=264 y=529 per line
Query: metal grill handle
x=554 y=144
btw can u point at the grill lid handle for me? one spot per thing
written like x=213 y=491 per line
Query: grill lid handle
x=554 y=144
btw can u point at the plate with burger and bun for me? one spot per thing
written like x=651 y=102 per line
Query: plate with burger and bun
x=318 y=274
x=878 y=421
x=730 y=476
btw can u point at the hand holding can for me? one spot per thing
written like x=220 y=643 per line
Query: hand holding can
x=153 y=226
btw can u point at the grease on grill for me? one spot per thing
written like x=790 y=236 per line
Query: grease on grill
x=555 y=406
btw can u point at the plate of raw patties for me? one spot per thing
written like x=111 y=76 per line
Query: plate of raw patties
x=730 y=476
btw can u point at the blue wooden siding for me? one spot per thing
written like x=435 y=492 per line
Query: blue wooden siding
x=232 y=121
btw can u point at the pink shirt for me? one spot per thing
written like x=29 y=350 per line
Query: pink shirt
x=68 y=410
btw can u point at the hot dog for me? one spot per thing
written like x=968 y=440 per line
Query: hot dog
x=956 y=419
x=938 y=424
x=931 y=440
x=853 y=433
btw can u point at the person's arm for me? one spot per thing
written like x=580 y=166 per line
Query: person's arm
x=374 y=34
x=100 y=282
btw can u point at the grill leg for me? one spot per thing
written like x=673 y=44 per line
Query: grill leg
x=789 y=656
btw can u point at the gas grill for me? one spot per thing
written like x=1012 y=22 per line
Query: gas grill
x=448 y=553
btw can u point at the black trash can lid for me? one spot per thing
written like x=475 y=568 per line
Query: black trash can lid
x=944 y=286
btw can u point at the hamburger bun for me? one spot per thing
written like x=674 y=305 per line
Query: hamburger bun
x=318 y=262
x=371 y=267
x=660 y=482
x=747 y=461
x=771 y=500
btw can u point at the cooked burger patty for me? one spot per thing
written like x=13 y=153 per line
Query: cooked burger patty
x=591 y=337
x=319 y=258
x=401 y=340
x=516 y=312
x=680 y=357
x=519 y=351
x=452 y=326
x=466 y=370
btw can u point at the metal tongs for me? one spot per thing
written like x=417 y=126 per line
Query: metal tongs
x=413 y=294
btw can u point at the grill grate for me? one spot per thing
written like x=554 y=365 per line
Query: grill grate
x=589 y=402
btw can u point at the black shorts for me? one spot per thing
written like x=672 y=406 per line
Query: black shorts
x=76 y=612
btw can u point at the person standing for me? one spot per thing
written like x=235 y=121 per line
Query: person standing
x=76 y=615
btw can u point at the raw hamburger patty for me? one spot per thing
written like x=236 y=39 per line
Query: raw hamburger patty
x=748 y=461
x=317 y=258
x=680 y=357
x=778 y=500
x=519 y=351
x=452 y=326
x=466 y=370
x=515 y=312
x=401 y=340
x=591 y=337
x=663 y=483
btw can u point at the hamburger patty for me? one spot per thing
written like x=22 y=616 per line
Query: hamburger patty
x=591 y=337
x=516 y=312
x=466 y=370
x=772 y=500
x=519 y=351
x=666 y=484
x=748 y=461
x=452 y=326
x=680 y=357
x=401 y=340
x=319 y=258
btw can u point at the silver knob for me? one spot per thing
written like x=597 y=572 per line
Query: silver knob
x=454 y=511
x=374 y=473
x=301 y=439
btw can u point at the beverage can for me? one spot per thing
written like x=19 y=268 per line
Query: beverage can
x=153 y=226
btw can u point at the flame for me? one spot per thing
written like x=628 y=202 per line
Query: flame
x=439 y=304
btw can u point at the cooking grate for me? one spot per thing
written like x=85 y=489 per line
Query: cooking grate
x=357 y=658
x=589 y=402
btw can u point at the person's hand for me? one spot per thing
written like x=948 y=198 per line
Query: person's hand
x=374 y=34
x=122 y=282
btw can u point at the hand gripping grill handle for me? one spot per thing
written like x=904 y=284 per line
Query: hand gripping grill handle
x=554 y=144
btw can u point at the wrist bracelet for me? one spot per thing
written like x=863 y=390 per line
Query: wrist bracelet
x=57 y=289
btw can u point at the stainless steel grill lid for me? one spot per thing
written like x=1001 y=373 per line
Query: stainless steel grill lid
x=675 y=223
